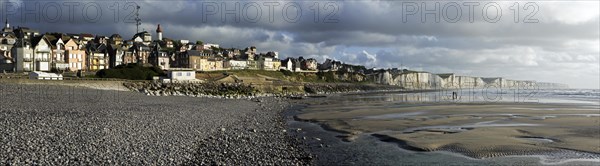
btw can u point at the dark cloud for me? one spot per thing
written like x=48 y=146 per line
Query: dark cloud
x=374 y=33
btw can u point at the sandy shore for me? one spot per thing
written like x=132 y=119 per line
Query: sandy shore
x=72 y=125
x=481 y=130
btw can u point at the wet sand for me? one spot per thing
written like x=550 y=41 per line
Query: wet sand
x=558 y=132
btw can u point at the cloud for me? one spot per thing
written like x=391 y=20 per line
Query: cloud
x=563 y=46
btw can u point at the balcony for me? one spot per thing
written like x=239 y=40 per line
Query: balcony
x=42 y=59
x=61 y=66
x=27 y=59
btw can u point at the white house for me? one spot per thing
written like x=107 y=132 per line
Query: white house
x=182 y=75
x=23 y=56
x=266 y=63
x=208 y=46
x=238 y=65
x=287 y=64
x=41 y=55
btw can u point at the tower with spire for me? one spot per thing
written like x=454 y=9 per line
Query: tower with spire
x=6 y=26
x=159 y=32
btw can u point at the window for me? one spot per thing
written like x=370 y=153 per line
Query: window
x=178 y=74
x=189 y=74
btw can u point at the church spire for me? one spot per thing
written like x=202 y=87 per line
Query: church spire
x=6 y=26
x=159 y=32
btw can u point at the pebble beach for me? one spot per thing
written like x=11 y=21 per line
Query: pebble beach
x=68 y=125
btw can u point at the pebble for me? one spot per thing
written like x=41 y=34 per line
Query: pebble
x=92 y=127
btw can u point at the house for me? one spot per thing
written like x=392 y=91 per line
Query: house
x=22 y=54
x=265 y=63
x=115 y=39
x=209 y=46
x=296 y=65
x=253 y=65
x=7 y=41
x=139 y=53
x=101 y=39
x=26 y=33
x=97 y=56
x=250 y=53
x=276 y=64
x=238 y=64
x=330 y=65
x=166 y=43
x=200 y=60
x=58 y=59
x=143 y=37
x=211 y=64
x=291 y=64
x=232 y=53
x=116 y=55
x=309 y=64
x=41 y=53
x=74 y=36
x=76 y=56
x=85 y=38
x=184 y=42
x=181 y=75
x=287 y=64
x=188 y=59
x=273 y=54
x=159 y=58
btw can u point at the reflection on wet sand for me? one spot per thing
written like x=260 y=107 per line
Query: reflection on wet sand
x=478 y=130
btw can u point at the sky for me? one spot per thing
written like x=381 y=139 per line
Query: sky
x=548 y=41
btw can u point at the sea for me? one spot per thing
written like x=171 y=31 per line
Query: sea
x=330 y=149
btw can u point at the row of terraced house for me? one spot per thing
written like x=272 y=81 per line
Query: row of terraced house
x=26 y=50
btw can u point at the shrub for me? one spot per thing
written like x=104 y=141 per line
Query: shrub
x=286 y=72
x=130 y=72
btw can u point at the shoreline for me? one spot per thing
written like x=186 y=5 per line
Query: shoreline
x=296 y=143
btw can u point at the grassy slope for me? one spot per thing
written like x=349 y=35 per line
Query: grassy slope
x=292 y=77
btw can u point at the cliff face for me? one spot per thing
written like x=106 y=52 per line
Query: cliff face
x=384 y=78
x=424 y=80
x=413 y=80
x=341 y=77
